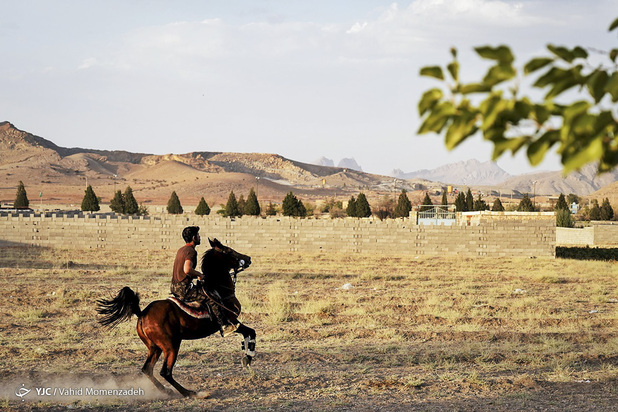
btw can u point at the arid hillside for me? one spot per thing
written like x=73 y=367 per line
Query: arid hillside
x=61 y=174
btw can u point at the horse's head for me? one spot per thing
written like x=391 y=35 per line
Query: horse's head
x=226 y=257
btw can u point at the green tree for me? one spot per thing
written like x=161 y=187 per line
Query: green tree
x=460 y=203
x=480 y=204
x=427 y=203
x=573 y=198
x=270 y=209
x=231 y=207
x=587 y=129
x=595 y=211
x=607 y=212
x=497 y=206
x=444 y=201
x=362 y=206
x=350 y=209
x=117 y=202
x=469 y=200
x=292 y=206
x=21 y=198
x=202 y=208
x=525 y=205
x=90 y=202
x=404 y=206
x=241 y=205
x=561 y=204
x=252 y=207
x=173 y=205
x=130 y=204
x=564 y=218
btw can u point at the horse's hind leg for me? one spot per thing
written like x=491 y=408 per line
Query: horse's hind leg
x=169 y=359
x=153 y=355
x=248 y=344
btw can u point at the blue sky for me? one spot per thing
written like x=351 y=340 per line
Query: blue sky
x=298 y=78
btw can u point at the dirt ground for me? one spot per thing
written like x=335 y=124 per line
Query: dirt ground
x=405 y=335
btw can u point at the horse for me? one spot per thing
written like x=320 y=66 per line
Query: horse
x=163 y=325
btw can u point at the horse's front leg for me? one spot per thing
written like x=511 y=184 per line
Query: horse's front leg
x=248 y=344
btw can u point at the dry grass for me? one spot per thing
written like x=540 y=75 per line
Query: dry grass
x=436 y=330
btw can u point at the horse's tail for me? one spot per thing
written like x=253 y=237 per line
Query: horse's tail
x=120 y=308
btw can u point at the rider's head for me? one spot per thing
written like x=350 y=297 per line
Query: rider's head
x=191 y=233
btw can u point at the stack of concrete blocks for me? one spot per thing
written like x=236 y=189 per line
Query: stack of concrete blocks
x=492 y=234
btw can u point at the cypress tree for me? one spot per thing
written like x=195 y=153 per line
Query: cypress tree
x=564 y=218
x=497 y=206
x=362 y=206
x=607 y=212
x=117 y=203
x=525 y=205
x=252 y=207
x=595 y=211
x=460 y=203
x=231 y=207
x=350 y=210
x=90 y=202
x=444 y=201
x=479 y=204
x=21 y=198
x=202 y=208
x=270 y=209
x=130 y=204
x=427 y=203
x=469 y=200
x=403 y=205
x=290 y=205
x=173 y=205
x=242 y=203
x=561 y=204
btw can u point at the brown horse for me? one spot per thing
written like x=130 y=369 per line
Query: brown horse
x=162 y=325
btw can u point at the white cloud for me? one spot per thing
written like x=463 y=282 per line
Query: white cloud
x=87 y=63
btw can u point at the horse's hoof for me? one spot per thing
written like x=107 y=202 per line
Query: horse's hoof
x=202 y=395
x=190 y=394
x=246 y=361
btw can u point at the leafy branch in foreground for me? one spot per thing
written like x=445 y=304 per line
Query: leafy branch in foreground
x=584 y=130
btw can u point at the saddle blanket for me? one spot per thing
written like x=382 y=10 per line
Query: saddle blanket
x=199 y=313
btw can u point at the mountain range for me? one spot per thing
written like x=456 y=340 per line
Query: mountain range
x=59 y=174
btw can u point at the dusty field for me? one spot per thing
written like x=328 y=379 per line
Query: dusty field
x=406 y=334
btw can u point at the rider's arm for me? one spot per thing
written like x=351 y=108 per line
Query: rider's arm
x=190 y=272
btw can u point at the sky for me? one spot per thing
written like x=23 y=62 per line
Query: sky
x=302 y=79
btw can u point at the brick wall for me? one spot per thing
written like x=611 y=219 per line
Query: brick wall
x=475 y=234
x=597 y=234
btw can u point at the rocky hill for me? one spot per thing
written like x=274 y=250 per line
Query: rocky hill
x=469 y=173
x=63 y=172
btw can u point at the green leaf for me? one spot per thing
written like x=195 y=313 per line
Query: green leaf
x=536 y=64
x=429 y=99
x=432 y=71
x=570 y=114
x=553 y=75
x=580 y=53
x=498 y=74
x=462 y=127
x=502 y=144
x=584 y=155
x=611 y=86
x=562 y=52
x=541 y=113
x=561 y=87
x=613 y=25
x=453 y=69
x=438 y=117
x=596 y=84
x=613 y=54
x=490 y=109
x=537 y=149
x=454 y=52
x=474 y=88
x=502 y=54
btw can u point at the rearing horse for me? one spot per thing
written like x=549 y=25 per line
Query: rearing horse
x=162 y=325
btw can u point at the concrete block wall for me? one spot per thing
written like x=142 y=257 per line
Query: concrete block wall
x=484 y=234
x=583 y=236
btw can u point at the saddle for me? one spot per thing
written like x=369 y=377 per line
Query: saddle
x=193 y=309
